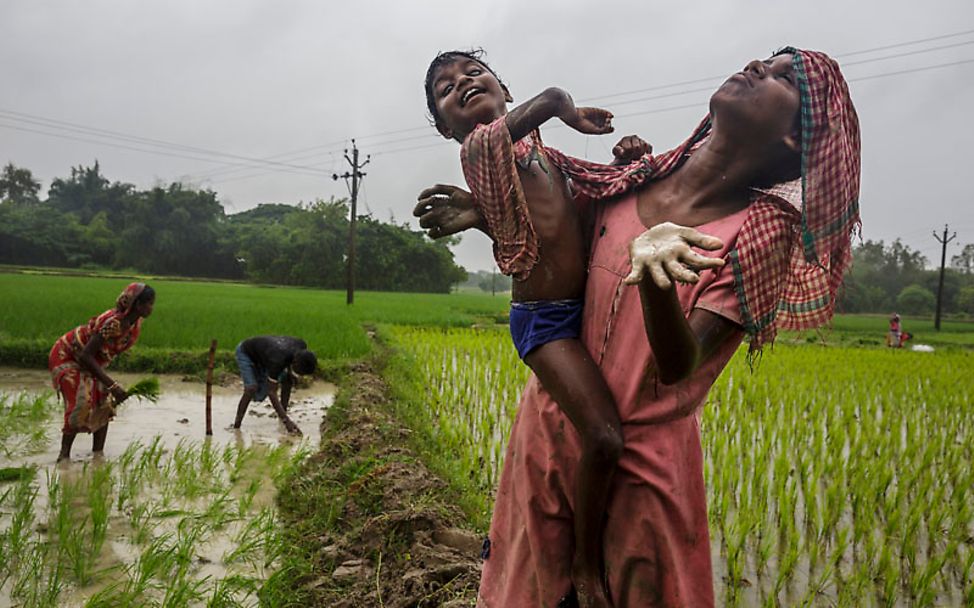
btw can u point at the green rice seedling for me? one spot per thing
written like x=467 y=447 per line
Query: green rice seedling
x=8 y=474
x=17 y=535
x=99 y=494
x=146 y=388
x=219 y=510
x=22 y=422
x=256 y=543
x=247 y=498
x=231 y=591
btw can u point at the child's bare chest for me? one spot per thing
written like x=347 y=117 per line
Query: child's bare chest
x=546 y=192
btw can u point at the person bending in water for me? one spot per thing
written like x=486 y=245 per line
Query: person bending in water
x=529 y=212
x=267 y=362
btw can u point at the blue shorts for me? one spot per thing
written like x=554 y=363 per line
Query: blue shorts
x=534 y=324
x=253 y=374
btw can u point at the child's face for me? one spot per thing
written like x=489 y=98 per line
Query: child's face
x=467 y=94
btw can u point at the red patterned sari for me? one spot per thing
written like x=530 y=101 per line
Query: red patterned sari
x=86 y=404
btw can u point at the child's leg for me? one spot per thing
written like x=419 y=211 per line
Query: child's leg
x=572 y=378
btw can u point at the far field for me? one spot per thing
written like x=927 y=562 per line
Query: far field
x=35 y=309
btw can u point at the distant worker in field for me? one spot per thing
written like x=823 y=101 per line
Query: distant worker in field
x=269 y=362
x=78 y=361
x=897 y=338
x=895 y=332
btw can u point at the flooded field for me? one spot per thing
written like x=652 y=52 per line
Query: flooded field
x=166 y=517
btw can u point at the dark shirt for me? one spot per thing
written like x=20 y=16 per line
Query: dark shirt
x=272 y=353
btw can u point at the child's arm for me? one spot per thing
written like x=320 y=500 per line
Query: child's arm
x=552 y=103
x=659 y=256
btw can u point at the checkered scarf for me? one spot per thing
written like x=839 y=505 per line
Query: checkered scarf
x=788 y=264
x=488 y=158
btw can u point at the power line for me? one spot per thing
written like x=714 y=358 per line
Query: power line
x=250 y=163
x=133 y=148
x=51 y=123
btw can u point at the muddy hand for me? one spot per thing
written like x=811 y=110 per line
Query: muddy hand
x=444 y=210
x=665 y=252
x=119 y=394
x=591 y=121
x=630 y=148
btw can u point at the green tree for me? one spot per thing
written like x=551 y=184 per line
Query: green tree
x=964 y=261
x=965 y=300
x=18 y=185
x=915 y=300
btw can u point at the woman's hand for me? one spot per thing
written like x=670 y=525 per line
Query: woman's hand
x=664 y=250
x=118 y=393
x=444 y=210
x=630 y=148
x=590 y=121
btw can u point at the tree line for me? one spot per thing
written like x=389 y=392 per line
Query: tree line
x=88 y=221
x=893 y=277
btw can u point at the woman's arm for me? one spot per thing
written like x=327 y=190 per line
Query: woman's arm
x=679 y=344
x=87 y=361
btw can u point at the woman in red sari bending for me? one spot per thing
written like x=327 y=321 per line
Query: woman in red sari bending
x=78 y=361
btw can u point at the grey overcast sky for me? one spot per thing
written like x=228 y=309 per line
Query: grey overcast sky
x=294 y=80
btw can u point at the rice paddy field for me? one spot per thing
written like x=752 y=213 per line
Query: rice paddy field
x=836 y=476
x=190 y=524
x=839 y=472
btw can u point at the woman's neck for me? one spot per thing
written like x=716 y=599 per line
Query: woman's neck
x=719 y=172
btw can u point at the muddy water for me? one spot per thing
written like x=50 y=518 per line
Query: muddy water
x=179 y=416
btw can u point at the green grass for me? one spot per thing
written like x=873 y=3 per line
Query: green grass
x=870 y=330
x=35 y=309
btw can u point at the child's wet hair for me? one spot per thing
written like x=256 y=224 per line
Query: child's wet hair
x=444 y=59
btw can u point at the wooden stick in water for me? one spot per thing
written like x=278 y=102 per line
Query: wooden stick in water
x=209 y=388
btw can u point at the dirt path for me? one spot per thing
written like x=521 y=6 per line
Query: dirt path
x=369 y=524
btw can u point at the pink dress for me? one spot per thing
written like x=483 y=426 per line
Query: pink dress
x=657 y=545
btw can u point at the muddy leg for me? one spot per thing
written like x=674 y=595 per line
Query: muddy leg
x=245 y=399
x=67 y=439
x=98 y=440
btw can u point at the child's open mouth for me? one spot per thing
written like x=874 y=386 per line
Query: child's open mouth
x=469 y=94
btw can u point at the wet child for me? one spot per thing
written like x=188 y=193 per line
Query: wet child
x=538 y=236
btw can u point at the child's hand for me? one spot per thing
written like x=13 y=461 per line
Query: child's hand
x=444 y=210
x=630 y=148
x=591 y=121
x=665 y=251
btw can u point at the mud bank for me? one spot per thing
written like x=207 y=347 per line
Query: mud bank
x=369 y=524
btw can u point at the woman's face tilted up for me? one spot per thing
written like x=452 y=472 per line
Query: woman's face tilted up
x=761 y=101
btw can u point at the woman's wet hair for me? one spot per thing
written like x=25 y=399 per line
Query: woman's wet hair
x=148 y=295
x=304 y=363
x=444 y=59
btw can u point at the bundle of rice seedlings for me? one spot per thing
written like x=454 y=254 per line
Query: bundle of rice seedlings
x=146 y=388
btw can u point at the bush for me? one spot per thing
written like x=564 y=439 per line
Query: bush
x=916 y=300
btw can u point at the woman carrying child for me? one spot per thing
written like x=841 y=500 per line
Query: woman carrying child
x=786 y=117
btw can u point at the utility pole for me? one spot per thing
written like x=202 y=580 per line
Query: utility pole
x=943 y=262
x=493 y=282
x=356 y=176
